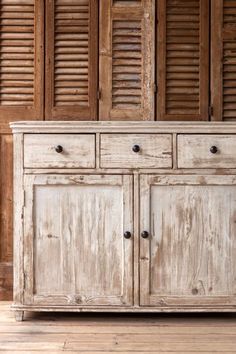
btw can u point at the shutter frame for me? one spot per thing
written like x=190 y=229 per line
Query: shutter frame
x=33 y=111
x=223 y=39
x=75 y=111
x=140 y=96
x=203 y=48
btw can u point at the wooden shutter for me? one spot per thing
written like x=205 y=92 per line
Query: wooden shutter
x=71 y=59
x=21 y=54
x=182 y=60
x=127 y=60
x=223 y=60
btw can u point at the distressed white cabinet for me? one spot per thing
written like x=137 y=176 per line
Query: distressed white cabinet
x=124 y=217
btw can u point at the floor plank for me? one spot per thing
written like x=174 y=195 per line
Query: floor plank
x=113 y=333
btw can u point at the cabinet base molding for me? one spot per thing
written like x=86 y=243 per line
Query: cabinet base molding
x=193 y=309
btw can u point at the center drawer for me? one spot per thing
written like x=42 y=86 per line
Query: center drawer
x=136 y=151
x=59 y=151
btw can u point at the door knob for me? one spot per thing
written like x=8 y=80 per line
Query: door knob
x=214 y=149
x=59 y=149
x=127 y=235
x=145 y=234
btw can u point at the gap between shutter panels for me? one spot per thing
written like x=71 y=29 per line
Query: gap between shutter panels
x=71 y=52
x=229 y=59
x=17 y=53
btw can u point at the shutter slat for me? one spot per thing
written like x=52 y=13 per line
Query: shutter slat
x=71 y=63
x=127 y=60
x=21 y=60
x=183 y=60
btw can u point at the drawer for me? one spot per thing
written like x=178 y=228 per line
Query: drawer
x=78 y=151
x=136 y=151
x=207 y=151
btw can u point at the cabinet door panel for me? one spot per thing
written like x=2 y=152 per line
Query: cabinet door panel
x=189 y=258
x=74 y=235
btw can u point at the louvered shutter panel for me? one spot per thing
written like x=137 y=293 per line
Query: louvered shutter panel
x=183 y=60
x=223 y=83
x=21 y=53
x=71 y=59
x=126 y=60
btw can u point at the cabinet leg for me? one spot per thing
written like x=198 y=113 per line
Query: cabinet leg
x=19 y=316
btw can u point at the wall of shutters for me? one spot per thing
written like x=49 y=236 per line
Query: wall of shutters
x=183 y=60
x=126 y=60
x=223 y=78
x=71 y=59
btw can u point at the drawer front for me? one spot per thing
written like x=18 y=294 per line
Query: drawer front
x=78 y=151
x=136 y=151
x=207 y=151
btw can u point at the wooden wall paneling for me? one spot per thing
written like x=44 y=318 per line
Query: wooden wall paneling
x=223 y=60
x=22 y=60
x=183 y=60
x=6 y=211
x=71 y=59
x=126 y=60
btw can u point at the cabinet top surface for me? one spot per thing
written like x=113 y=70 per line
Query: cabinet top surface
x=122 y=127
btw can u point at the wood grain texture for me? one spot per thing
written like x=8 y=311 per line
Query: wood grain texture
x=183 y=60
x=194 y=151
x=126 y=60
x=74 y=226
x=223 y=78
x=78 y=151
x=74 y=221
x=103 y=334
x=22 y=60
x=6 y=214
x=189 y=257
x=71 y=59
x=117 y=151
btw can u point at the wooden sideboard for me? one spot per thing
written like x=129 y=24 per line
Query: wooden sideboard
x=117 y=216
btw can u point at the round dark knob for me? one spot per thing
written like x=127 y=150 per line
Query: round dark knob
x=213 y=149
x=145 y=234
x=127 y=234
x=59 y=149
x=136 y=148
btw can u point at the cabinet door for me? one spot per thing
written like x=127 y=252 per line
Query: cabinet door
x=75 y=252
x=189 y=258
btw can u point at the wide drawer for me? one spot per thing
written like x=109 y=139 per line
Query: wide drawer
x=136 y=151
x=59 y=151
x=206 y=151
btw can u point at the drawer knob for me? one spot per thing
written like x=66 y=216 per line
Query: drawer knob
x=145 y=234
x=127 y=235
x=136 y=148
x=59 y=149
x=213 y=149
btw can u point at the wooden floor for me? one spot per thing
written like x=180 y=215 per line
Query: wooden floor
x=103 y=334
